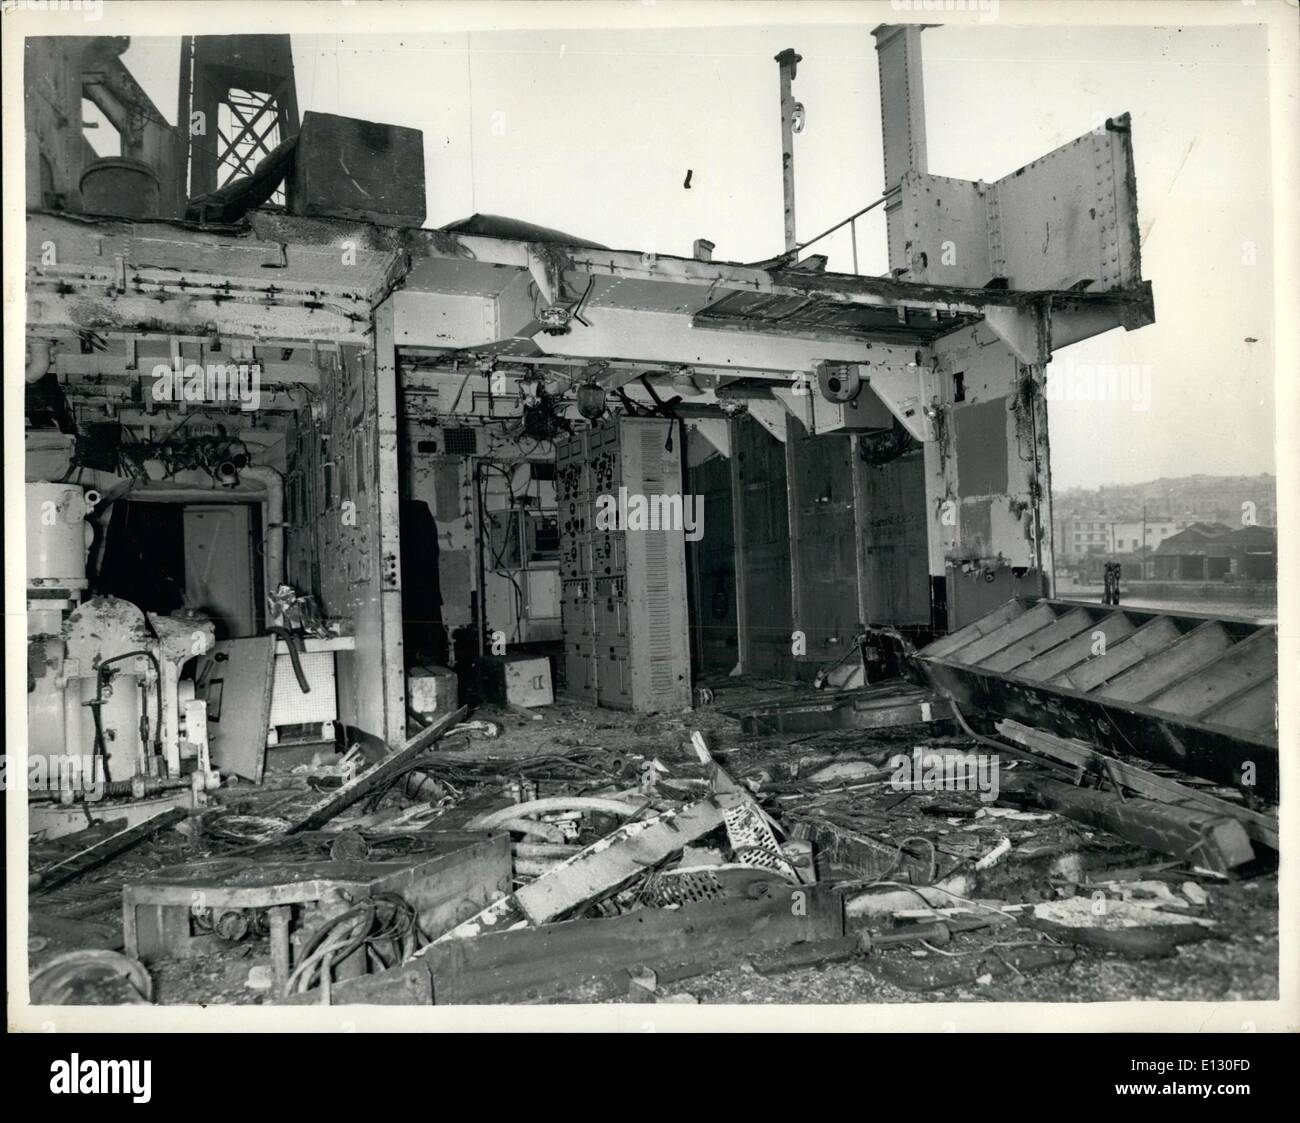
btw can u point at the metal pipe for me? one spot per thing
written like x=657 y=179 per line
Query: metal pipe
x=846 y=222
x=273 y=524
x=788 y=61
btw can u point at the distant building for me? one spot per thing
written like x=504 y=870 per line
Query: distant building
x=1257 y=552
x=1083 y=535
x=1102 y=534
x=1214 y=552
x=1131 y=535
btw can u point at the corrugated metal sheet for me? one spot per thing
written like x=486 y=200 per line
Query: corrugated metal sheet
x=803 y=315
x=1198 y=693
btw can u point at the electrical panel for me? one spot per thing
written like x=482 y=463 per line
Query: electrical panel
x=623 y=565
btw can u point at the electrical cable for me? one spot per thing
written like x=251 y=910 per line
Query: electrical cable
x=496 y=556
x=576 y=310
x=382 y=918
x=292 y=642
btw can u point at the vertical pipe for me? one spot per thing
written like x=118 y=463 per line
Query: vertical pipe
x=788 y=61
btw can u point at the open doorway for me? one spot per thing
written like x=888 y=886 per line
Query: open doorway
x=165 y=556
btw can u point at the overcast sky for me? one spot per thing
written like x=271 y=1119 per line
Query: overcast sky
x=593 y=132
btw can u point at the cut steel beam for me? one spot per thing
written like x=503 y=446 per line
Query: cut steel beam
x=867 y=709
x=1259 y=826
x=1214 y=842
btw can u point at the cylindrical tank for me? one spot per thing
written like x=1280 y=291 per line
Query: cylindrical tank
x=120 y=187
x=58 y=536
x=45 y=732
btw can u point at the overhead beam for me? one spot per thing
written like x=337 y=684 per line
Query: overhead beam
x=178 y=314
x=720 y=277
x=627 y=335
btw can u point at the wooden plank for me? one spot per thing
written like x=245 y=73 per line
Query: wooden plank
x=1044 y=640
x=948 y=645
x=101 y=851
x=1240 y=668
x=1040 y=616
x=1152 y=636
x=1256 y=710
x=373 y=778
x=1112 y=629
x=1261 y=827
x=546 y=962
x=1183 y=657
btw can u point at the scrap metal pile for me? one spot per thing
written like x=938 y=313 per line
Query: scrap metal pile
x=520 y=861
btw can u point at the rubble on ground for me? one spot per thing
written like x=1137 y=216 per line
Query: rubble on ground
x=600 y=856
